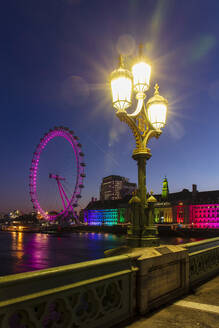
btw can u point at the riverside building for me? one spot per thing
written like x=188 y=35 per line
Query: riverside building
x=190 y=209
x=108 y=212
x=193 y=209
x=116 y=187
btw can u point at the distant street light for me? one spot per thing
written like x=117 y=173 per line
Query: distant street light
x=145 y=123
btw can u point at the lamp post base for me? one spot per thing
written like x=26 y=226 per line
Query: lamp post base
x=134 y=241
x=146 y=237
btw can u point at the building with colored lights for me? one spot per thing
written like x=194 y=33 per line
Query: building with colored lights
x=190 y=209
x=204 y=216
x=108 y=212
x=165 y=190
x=116 y=187
x=163 y=213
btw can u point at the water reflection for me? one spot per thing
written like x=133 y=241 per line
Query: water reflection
x=100 y=236
x=17 y=244
x=21 y=252
x=39 y=251
x=178 y=240
x=17 y=250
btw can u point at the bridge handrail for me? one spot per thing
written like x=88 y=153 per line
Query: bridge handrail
x=201 y=244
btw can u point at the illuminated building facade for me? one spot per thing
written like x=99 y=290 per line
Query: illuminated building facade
x=108 y=217
x=204 y=216
x=182 y=213
x=201 y=216
x=108 y=212
x=191 y=209
x=115 y=187
x=163 y=213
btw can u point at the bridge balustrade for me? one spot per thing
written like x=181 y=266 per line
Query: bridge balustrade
x=90 y=294
x=203 y=260
x=105 y=292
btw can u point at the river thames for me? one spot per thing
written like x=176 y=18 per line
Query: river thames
x=21 y=252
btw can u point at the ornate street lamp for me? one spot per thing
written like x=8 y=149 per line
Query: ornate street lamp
x=145 y=122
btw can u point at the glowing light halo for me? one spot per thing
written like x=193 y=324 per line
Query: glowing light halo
x=73 y=140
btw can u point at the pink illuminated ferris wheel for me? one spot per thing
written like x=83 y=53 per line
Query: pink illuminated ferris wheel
x=69 y=201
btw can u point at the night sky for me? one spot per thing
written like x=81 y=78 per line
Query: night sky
x=56 y=57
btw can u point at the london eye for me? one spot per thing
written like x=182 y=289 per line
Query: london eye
x=69 y=199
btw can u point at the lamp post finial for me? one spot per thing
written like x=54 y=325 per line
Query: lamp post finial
x=156 y=87
x=121 y=61
x=141 y=46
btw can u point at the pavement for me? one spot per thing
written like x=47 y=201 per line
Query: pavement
x=199 y=309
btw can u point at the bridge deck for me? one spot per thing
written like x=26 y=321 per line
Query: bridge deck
x=197 y=310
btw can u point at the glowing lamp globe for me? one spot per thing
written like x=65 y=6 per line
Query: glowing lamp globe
x=121 y=86
x=141 y=76
x=157 y=109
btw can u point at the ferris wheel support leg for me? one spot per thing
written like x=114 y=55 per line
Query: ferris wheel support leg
x=60 y=191
x=73 y=211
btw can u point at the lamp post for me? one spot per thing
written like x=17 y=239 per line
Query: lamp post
x=145 y=122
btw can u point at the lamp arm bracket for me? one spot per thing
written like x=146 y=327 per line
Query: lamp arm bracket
x=122 y=115
x=150 y=130
x=149 y=135
x=138 y=108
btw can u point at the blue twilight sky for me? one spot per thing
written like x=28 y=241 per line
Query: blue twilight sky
x=55 y=61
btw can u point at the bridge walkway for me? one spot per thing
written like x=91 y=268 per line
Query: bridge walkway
x=199 y=309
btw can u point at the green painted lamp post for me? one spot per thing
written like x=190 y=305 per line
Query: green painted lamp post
x=145 y=122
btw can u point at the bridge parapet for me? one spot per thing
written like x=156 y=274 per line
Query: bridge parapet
x=105 y=292
x=201 y=245
x=203 y=265
x=88 y=294
x=203 y=260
